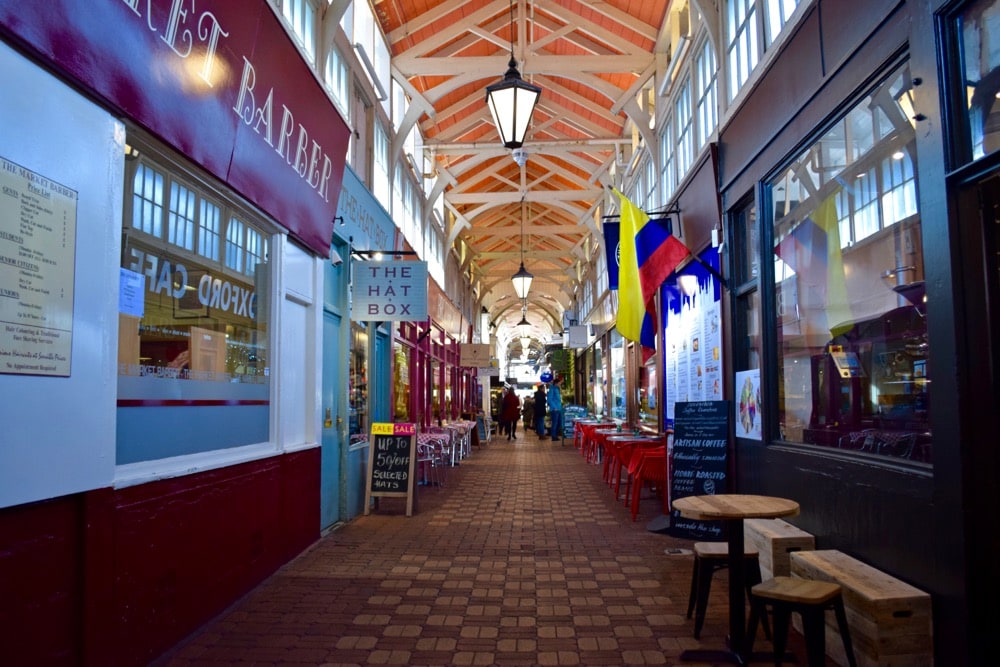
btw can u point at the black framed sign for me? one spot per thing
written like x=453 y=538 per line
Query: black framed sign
x=392 y=463
x=700 y=458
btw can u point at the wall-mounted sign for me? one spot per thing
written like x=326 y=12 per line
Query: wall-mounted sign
x=389 y=291
x=37 y=265
x=222 y=81
x=475 y=355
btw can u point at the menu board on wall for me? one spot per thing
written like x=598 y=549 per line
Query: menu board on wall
x=392 y=463
x=37 y=261
x=699 y=461
x=693 y=335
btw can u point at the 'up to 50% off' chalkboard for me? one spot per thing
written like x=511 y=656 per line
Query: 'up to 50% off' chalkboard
x=391 y=463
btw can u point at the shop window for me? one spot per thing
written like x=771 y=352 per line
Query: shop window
x=746 y=291
x=193 y=372
x=619 y=398
x=358 y=390
x=401 y=387
x=978 y=27
x=852 y=346
x=595 y=397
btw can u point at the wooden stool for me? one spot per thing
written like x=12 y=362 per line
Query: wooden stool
x=810 y=599
x=709 y=557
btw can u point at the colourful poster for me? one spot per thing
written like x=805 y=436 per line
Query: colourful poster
x=747 y=405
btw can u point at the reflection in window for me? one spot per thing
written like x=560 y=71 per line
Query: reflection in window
x=618 y=395
x=980 y=28
x=180 y=221
x=147 y=200
x=209 y=223
x=234 y=245
x=852 y=339
x=358 y=390
x=193 y=353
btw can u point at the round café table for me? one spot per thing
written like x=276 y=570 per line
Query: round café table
x=732 y=509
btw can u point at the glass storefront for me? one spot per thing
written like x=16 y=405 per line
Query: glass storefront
x=358 y=389
x=618 y=396
x=193 y=362
x=979 y=25
x=648 y=395
x=849 y=282
x=401 y=382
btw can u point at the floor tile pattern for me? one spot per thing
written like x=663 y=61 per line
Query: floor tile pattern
x=522 y=558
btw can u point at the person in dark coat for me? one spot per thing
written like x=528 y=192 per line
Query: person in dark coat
x=540 y=411
x=511 y=411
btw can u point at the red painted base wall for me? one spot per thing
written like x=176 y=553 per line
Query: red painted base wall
x=118 y=577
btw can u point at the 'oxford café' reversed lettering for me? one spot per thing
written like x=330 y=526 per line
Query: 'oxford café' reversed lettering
x=390 y=291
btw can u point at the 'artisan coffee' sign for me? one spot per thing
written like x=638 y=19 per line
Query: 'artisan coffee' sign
x=700 y=461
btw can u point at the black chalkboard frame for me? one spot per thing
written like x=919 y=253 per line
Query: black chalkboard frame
x=699 y=462
x=388 y=440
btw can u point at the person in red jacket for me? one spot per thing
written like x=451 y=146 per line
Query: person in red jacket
x=510 y=412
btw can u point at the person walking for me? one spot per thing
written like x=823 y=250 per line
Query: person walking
x=528 y=412
x=540 y=411
x=554 y=401
x=511 y=412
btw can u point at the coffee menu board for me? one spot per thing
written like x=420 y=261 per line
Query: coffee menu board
x=37 y=260
x=391 y=463
x=699 y=461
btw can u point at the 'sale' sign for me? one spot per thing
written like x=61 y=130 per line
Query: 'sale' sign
x=391 y=463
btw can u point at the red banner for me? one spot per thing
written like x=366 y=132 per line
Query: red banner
x=219 y=80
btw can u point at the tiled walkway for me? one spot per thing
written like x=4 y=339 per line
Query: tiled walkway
x=523 y=558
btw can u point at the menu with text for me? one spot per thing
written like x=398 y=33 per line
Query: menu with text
x=37 y=262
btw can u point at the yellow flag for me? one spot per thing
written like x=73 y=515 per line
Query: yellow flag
x=632 y=316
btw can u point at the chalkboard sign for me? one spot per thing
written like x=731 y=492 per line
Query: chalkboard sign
x=699 y=461
x=391 y=463
x=481 y=427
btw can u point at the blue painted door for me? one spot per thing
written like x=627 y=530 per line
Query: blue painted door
x=333 y=422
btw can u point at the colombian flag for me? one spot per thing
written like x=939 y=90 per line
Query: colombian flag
x=649 y=253
x=812 y=249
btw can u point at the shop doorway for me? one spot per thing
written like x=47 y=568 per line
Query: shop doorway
x=334 y=422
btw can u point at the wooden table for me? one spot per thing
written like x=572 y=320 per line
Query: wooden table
x=732 y=509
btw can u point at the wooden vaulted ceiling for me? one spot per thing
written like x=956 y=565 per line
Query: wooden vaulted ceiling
x=591 y=58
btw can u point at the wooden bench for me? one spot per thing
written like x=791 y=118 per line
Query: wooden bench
x=774 y=540
x=889 y=620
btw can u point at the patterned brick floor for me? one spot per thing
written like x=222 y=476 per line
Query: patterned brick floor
x=524 y=557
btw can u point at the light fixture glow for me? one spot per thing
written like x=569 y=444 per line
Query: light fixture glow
x=522 y=279
x=512 y=100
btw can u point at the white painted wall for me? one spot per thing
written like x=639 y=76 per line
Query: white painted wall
x=57 y=435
